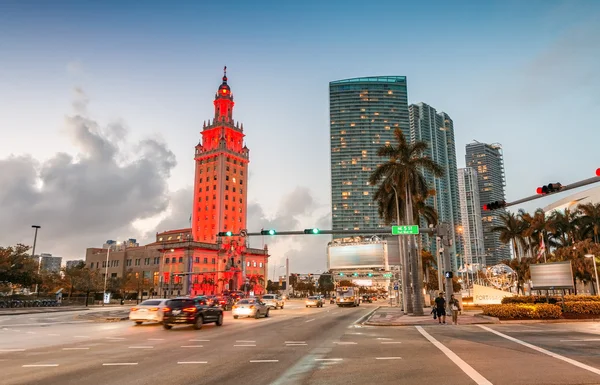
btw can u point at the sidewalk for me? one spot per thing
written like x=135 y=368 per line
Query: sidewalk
x=58 y=309
x=393 y=316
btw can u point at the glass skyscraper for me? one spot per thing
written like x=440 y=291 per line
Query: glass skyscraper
x=437 y=130
x=363 y=115
x=470 y=213
x=487 y=160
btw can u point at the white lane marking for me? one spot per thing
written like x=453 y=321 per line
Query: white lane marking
x=156 y=339
x=202 y=341
x=141 y=347
x=329 y=359
x=295 y=342
x=345 y=343
x=391 y=342
x=243 y=345
x=264 y=360
x=192 y=346
x=76 y=348
x=120 y=364
x=584 y=340
x=469 y=371
x=310 y=320
x=191 y=362
x=384 y=339
x=388 y=358
x=40 y=366
x=542 y=350
x=12 y=350
x=244 y=341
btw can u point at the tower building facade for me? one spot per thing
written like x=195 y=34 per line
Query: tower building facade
x=470 y=210
x=364 y=112
x=221 y=172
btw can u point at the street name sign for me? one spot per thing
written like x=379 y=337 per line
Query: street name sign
x=405 y=230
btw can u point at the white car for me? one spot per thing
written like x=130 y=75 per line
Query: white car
x=250 y=307
x=273 y=301
x=150 y=310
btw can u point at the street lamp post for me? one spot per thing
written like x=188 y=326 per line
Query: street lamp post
x=36 y=227
x=595 y=272
x=106 y=272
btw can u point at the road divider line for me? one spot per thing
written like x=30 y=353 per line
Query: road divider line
x=310 y=320
x=12 y=350
x=583 y=340
x=544 y=351
x=76 y=349
x=40 y=366
x=199 y=340
x=388 y=358
x=295 y=342
x=192 y=346
x=469 y=371
x=384 y=339
x=120 y=364
x=264 y=360
x=141 y=347
x=242 y=345
x=191 y=362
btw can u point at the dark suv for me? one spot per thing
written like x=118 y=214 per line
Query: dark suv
x=194 y=311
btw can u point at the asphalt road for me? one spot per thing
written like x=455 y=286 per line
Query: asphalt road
x=297 y=346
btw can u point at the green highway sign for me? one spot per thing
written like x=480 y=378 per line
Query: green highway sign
x=405 y=230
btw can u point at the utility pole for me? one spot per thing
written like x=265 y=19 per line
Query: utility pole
x=444 y=233
x=36 y=227
x=287 y=277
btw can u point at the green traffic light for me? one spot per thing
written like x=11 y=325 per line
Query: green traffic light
x=355 y=274
x=271 y=232
x=342 y=274
x=370 y=274
x=229 y=233
x=316 y=231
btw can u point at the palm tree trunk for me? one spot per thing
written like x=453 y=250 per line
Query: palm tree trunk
x=415 y=263
x=406 y=287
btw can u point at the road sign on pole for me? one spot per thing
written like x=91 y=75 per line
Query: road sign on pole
x=405 y=230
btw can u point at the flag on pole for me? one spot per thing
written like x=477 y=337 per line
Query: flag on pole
x=542 y=249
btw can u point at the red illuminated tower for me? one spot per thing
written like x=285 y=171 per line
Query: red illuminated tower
x=220 y=187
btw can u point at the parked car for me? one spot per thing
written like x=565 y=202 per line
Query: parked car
x=149 y=310
x=250 y=307
x=273 y=301
x=314 y=300
x=191 y=311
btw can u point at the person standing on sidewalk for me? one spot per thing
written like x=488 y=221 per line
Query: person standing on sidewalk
x=440 y=307
x=454 y=308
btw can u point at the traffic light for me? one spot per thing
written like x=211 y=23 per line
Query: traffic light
x=312 y=231
x=355 y=274
x=225 y=234
x=449 y=274
x=549 y=188
x=598 y=172
x=268 y=232
x=494 y=205
x=341 y=274
x=370 y=274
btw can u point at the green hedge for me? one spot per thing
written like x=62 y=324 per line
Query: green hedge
x=523 y=311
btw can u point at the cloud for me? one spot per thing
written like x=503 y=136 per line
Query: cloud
x=81 y=200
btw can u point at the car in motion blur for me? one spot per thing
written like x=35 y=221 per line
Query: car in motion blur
x=314 y=300
x=273 y=301
x=191 y=311
x=151 y=310
x=250 y=307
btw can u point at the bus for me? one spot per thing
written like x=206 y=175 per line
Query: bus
x=347 y=296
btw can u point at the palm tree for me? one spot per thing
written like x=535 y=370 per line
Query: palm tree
x=511 y=231
x=403 y=173
x=538 y=230
x=590 y=220
x=565 y=226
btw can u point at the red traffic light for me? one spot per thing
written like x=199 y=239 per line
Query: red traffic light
x=539 y=190
x=598 y=172
x=485 y=208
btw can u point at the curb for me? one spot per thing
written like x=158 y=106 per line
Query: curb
x=548 y=321
x=487 y=317
x=424 y=324
x=62 y=310
x=364 y=320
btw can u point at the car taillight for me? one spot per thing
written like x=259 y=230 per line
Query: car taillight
x=221 y=302
x=153 y=309
x=234 y=307
x=166 y=309
x=134 y=308
x=251 y=306
x=189 y=309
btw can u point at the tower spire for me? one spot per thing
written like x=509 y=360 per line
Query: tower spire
x=225 y=75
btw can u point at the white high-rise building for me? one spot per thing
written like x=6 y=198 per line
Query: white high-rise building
x=470 y=214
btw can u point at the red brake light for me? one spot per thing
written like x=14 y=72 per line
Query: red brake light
x=189 y=309
x=134 y=308
x=252 y=307
x=153 y=309
x=166 y=309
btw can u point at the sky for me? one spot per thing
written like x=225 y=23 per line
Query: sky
x=102 y=103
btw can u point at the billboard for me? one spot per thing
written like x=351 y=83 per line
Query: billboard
x=356 y=255
x=549 y=276
x=483 y=295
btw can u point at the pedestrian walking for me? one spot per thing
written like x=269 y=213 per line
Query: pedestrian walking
x=454 y=309
x=440 y=307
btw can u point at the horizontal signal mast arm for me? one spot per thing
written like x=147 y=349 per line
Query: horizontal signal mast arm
x=571 y=186
x=387 y=231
